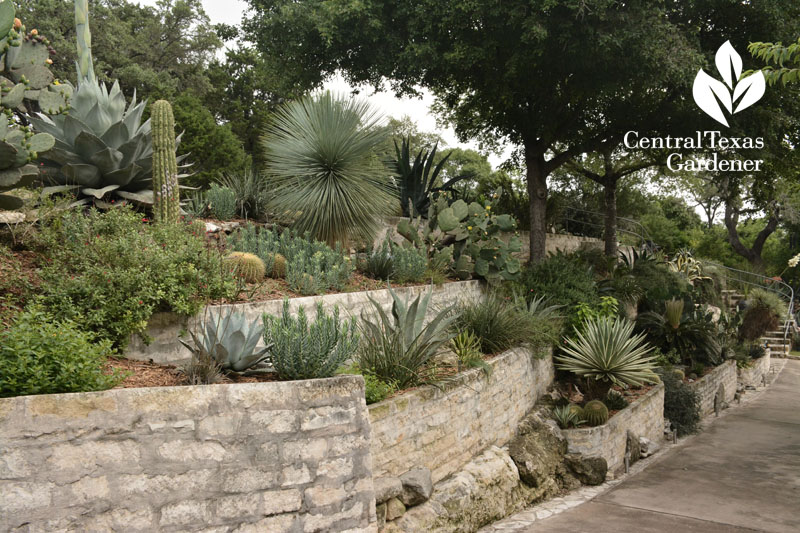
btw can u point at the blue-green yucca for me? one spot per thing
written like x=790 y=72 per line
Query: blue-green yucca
x=320 y=164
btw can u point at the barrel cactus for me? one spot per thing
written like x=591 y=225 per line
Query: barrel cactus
x=166 y=195
x=103 y=150
x=248 y=267
x=576 y=409
x=595 y=413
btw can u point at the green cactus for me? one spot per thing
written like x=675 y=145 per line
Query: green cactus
x=595 y=413
x=166 y=195
x=577 y=410
x=468 y=238
x=248 y=267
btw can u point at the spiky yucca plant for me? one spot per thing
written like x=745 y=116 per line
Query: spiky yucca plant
x=605 y=352
x=103 y=149
x=319 y=162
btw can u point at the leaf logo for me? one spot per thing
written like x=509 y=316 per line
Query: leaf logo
x=709 y=92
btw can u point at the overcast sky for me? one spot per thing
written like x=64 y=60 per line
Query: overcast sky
x=231 y=11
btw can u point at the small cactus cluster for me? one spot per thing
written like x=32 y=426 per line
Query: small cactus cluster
x=248 y=267
x=467 y=238
x=595 y=413
x=278 y=266
x=166 y=194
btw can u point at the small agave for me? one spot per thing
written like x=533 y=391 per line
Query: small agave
x=230 y=340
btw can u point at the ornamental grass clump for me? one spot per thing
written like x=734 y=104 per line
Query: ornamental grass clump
x=605 y=352
x=304 y=349
x=497 y=323
x=399 y=347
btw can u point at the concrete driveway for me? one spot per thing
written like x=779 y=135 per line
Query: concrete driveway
x=741 y=474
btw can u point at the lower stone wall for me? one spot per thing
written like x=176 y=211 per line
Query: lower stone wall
x=719 y=385
x=644 y=418
x=444 y=429
x=754 y=376
x=275 y=457
x=165 y=329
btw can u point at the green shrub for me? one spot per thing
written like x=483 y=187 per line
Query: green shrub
x=410 y=265
x=250 y=192
x=221 y=202
x=39 y=355
x=565 y=279
x=466 y=348
x=605 y=352
x=659 y=284
x=312 y=267
x=681 y=404
x=378 y=263
x=375 y=389
x=692 y=334
x=399 y=348
x=301 y=349
x=496 y=321
x=109 y=272
x=763 y=313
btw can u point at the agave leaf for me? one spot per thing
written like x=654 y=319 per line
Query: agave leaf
x=99 y=193
x=86 y=175
x=107 y=160
x=144 y=197
x=10 y=203
x=116 y=135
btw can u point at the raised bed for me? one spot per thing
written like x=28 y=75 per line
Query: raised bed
x=164 y=329
x=444 y=429
x=717 y=388
x=643 y=418
x=284 y=456
x=755 y=375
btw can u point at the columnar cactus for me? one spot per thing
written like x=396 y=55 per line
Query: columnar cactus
x=166 y=195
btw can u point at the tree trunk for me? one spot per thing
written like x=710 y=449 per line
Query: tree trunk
x=752 y=254
x=610 y=233
x=536 y=175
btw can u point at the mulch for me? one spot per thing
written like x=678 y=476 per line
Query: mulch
x=149 y=374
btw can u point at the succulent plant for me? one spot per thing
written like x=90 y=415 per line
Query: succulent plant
x=566 y=417
x=615 y=400
x=18 y=147
x=466 y=237
x=230 y=341
x=278 y=266
x=248 y=267
x=166 y=201
x=576 y=409
x=595 y=413
x=103 y=149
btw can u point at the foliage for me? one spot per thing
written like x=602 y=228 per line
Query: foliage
x=312 y=267
x=606 y=352
x=221 y=202
x=607 y=307
x=166 y=195
x=565 y=280
x=318 y=161
x=497 y=323
x=409 y=264
x=418 y=180
x=228 y=339
x=195 y=204
x=691 y=333
x=41 y=355
x=375 y=389
x=659 y=284
x=681 y=404
x=762 y=314
x=248 y=267
x=110 y=272
x=595 y=413
x=566 y=417
x=309 y=350
x=250 y=192
x=379 y=263
x=467 y=349
x=467 y=237
x=786 y=60
x=616 y=401
x=400 y=348
x=685 y=263
x=545 y=322
x=201 y=369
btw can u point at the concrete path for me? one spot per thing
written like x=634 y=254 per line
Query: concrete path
x=741 y=474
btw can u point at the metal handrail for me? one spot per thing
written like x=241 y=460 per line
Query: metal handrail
x=643 y=235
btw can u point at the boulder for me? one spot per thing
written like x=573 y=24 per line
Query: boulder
x=537 y=450
x=394 y=509
x=387 y=488
x=589 y=470
x=417 y=486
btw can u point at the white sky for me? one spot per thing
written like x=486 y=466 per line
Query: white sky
x=231 y=11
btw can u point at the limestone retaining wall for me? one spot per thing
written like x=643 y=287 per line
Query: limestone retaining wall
x=164 y=329
x=644 y=418
x=289 y=456
x=444 y=429
x=755 y=375
x=717 y=385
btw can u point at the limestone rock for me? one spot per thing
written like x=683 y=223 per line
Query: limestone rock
x=590 y=470
x=387 y=488
x=647 y=447
x=537 y=451
x=380 y=511
x=633 y=451
x=394 y=509
x=11 y=217
x=417 y=486
x=212 y=228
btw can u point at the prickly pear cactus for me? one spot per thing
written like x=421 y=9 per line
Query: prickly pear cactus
x=469 y=237
x=26 y=83
x=166 y=195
